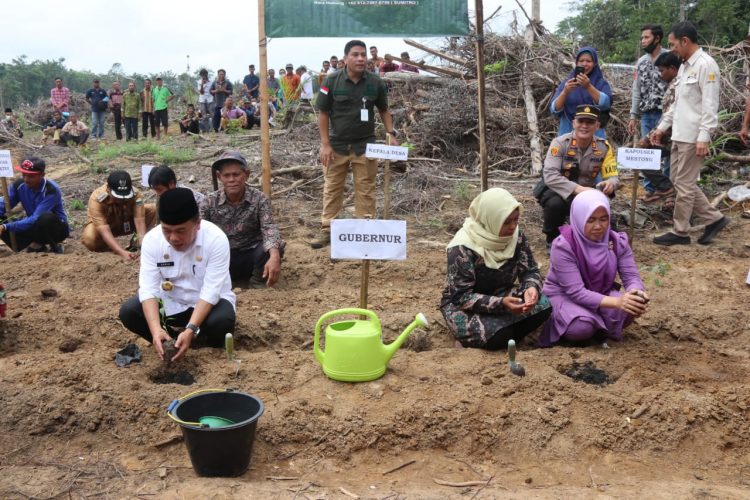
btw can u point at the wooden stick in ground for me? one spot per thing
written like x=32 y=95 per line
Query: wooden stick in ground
x=6 y=197
x=479 y=13
x=265 y=138
x=633 y=198
x=364 y=284
x=387 y=183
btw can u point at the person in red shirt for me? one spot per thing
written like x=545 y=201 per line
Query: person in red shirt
x=292 y=88
x=388 y=66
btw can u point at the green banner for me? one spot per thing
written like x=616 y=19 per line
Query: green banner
x=353 y=18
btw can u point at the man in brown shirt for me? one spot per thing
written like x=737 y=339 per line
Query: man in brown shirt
x=116 y=209
x=147 y=109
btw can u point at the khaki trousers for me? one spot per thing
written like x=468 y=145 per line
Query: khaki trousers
x=92 y=240
x=686 y=167
x=364 y=171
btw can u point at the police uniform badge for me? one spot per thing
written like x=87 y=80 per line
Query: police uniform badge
x=167 y=286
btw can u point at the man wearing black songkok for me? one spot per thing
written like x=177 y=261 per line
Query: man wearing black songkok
x=185 y=291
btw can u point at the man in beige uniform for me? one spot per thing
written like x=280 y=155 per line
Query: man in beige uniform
x=692 y=118
x=116 y=209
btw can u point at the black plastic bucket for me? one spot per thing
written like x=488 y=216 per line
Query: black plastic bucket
x=224 y=451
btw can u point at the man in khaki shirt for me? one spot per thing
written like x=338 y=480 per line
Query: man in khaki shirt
x=693 y=118
x=116 y=209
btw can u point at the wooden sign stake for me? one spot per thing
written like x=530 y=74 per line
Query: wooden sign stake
x=6 y=197
x=633 y=198
x=387 y=183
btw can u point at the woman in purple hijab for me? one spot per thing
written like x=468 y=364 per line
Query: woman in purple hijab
x=584 y=85
x=584 y=262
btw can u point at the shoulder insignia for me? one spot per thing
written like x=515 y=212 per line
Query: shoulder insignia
x=712 y=77
x=102 y=197
x=554 y=150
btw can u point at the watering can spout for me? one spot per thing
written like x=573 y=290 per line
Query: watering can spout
x=390 y=349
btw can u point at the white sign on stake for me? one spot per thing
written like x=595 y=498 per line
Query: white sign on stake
x=6 y=164
x=145 y=171
x=368 y=239
x=638 y=159
x=395 y=153
x=747 y=280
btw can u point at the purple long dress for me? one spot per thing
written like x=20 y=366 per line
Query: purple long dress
x=582 y=272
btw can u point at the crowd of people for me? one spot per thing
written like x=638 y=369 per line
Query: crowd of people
x=205 y=245
x=494 y=291
x=219 y=107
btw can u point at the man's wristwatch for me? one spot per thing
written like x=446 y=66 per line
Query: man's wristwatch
x=195 y=328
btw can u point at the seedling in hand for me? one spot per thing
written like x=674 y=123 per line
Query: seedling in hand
x=515 y=368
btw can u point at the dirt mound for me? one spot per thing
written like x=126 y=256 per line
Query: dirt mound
x=673 y=417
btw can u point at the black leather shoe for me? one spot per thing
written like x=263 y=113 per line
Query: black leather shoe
x=670 y=239
x=712 y=230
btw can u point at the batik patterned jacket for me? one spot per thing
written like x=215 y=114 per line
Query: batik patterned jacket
x=246 y=224
x=472 y=299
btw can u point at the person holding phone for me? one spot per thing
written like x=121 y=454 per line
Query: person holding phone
x=584 y=85
x=492 y=292
x=587 y=301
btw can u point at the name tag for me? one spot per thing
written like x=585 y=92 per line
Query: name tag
x=165 y=264
x=364 y=115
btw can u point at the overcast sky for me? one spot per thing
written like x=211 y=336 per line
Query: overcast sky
x=148 y=37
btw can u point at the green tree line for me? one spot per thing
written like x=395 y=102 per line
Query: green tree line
x=613 y=27
x=24 y=82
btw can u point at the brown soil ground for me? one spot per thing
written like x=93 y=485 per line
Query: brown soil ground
x=672 y=424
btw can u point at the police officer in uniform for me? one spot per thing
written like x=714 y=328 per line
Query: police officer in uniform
x=116 y=209
x=575 y=162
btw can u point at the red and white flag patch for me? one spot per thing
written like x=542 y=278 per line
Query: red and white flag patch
x=324 y=90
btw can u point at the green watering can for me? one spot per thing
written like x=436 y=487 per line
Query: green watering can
x=354 y=348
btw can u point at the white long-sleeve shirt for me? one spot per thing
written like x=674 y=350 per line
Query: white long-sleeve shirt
x=201 y=272
x=695 y=113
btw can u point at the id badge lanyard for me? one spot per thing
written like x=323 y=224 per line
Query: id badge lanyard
x=364 y=113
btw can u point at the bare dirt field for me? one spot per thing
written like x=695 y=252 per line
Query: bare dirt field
x=671 y=423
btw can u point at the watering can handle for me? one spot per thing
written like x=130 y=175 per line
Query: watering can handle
x=340 y=312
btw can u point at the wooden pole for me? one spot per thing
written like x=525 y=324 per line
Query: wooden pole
x=535 y=11
x=387 y=183
x=364 y=285
x=6 y=198
x=479 y=14
x=265 y=136
x=633 y=198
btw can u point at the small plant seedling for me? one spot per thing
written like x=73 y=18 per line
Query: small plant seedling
x=515 y=368
x=76 y=204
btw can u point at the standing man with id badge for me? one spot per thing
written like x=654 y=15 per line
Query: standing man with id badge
x=116 y=209
x=347 y=102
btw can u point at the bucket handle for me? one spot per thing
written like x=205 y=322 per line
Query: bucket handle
x=177 y=401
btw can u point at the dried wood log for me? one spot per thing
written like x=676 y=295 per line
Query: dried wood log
x=443 y=55
x=441 y=70
x=731 y=157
